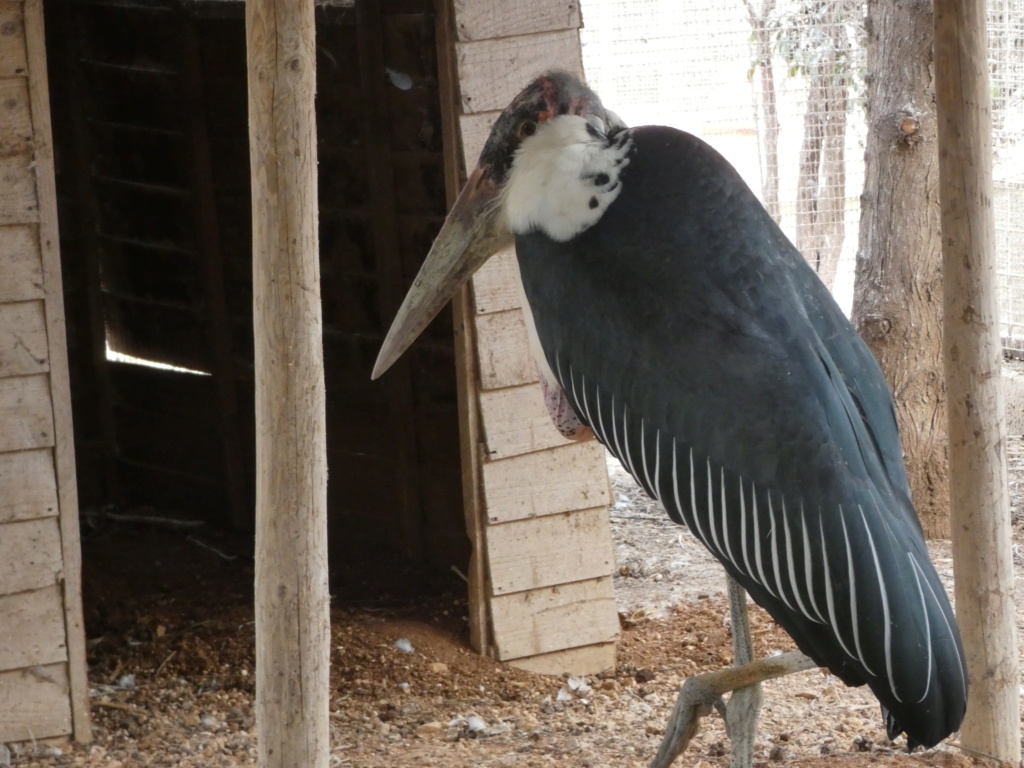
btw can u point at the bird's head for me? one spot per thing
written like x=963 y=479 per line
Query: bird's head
x=551 y=163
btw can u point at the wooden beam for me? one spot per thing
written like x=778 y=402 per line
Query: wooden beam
x=292 y=600
x=60 y=377
x=466 y=382
x=979 y=494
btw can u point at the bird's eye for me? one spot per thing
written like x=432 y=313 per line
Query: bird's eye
x=527 y=128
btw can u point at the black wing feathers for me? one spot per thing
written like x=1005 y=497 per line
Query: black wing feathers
x=708 y=357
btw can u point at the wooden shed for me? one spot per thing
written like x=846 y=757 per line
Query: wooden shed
x=43 y=691
x=449 y=460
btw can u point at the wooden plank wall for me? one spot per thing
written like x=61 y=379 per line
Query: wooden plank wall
x=548 y=547
x=42 y=646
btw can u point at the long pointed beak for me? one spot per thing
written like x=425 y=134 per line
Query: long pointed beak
x=471 y=234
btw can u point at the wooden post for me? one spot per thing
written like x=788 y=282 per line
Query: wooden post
x=980 y=519
x=292 y=601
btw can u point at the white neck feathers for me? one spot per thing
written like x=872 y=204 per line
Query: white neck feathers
x=563 y=178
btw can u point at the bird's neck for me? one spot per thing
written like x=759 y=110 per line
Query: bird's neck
x=564 y=178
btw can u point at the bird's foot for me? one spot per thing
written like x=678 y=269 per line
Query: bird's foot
x=702 y=692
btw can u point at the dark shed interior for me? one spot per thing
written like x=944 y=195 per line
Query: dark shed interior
x=150 y=126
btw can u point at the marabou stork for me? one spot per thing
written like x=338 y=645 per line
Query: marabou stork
x=673 y=318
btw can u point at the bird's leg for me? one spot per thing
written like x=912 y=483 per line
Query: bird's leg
x=744 y=707
x=701 y=692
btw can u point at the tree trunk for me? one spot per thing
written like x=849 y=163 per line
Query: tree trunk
x=897 y=300
x=769 y=103
x=982 y=555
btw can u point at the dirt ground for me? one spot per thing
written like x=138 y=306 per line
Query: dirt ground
x=171 y=665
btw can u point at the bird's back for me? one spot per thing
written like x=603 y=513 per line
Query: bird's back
x=693 y=338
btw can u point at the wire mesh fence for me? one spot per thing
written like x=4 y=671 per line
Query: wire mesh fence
x=777 y=86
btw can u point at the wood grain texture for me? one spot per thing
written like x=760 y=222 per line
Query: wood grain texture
x=475 y=130
x=466 y=382
x=504 y=350
x=972 y=350
x=35 y=702
x=59 y=378
x=586 y=660
x=516 y=421
x=550 y=550
x=28 y=485
x=21 y=269
x=561 y=479
x=15 y=118
x=13 y=57
x=30 y=555
x=555 y=618
x=292 y=600
x=32 y=628
x=483 y=19
x=492 y=72
x=18 y=204
x=23 y=339
x=496 y=283
x=26 y=413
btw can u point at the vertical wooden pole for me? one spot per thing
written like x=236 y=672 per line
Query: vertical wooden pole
x=980 y=515
x=292 y=608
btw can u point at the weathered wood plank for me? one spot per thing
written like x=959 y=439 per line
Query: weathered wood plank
x=554 y=618
x=21 y=271
x=17 y=190
x=59 y=378
x=554 y=549
x=562 y=479
x=475 y=129
x=35 y=703
x=23 y=341
x=516 y=421
x=504 y=350
x=588 y=660
x=28 y=485
x=467 y=385
x=496 y=283
x=30 y=556
x=32 y=628
x=483 y=19
x=15 y=117
x=13 y=60
x=25 y=413
x=492 y=72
